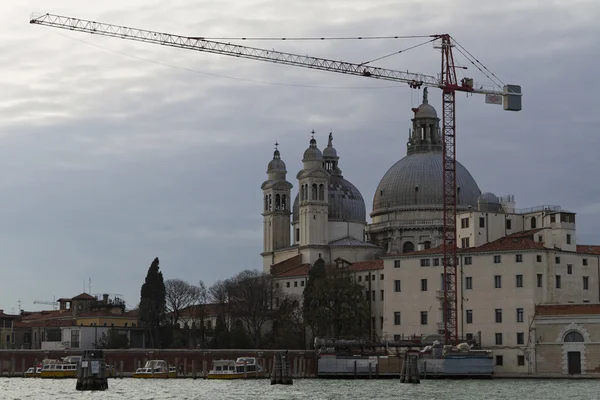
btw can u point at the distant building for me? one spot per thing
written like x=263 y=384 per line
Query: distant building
x=78 y=324
x=7 y=331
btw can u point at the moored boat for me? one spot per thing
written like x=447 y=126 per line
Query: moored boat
x=33 y=372
x=242 y=368
x=64 y=368
x=156 y=369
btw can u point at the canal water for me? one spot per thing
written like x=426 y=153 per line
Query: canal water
x=134 y=389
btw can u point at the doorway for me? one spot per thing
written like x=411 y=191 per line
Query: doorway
x=574 y=362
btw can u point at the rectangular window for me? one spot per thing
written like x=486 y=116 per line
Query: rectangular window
x=436 y=262
x=302 y=283
x=287 y=284
x=396 y=338
x=497 y=281
x=519 y=280
x=469 y=316
x=396 y=263
x=498 y=313
x=425 y=262
x=520 y=360
x=397 y=287
x=295 y=283
x=367 y=294
x=373 y=296
x=540 y=280
x=498 y=338
x=585 y=283
x=423 y=317
x=481 y=222
x=465 y=242
x=360 y=278
x=464 y=223
x=558 y=281
x=508 y=224
x=469 y=282
x=585 y=261
x=538 y=258
x=552 y=218
x=423 y=285
x=381 y=277
x=518 y=258
x=569 y=269
x=520 y=338
x=468 y=260
x=373 y=277
x=519 y=315
x=499 y=360
x=469 y=336
x=557 y=260
x=381 y=294
x=381 y=323
x=397 y=318
x=497 y=259
x=297 y=235
x=568 y=239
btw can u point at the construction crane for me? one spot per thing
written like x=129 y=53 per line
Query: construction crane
x=54 y=304
x=509 y=96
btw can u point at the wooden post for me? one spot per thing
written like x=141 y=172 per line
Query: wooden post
x=185 y=367
x=135 y=363
x=205 y=368
x=12 y=366
x=23 y=369
x=193 y=369
x=1 y=366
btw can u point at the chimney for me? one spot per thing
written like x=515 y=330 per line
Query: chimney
x=105 y=298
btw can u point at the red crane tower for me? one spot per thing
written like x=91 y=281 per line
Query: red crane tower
x=509 y=96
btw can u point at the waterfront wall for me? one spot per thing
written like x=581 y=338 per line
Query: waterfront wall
x=190 y=363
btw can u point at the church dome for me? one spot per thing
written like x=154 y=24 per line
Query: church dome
x=489 y=198
x=312 y=153
x=426 y=110
x=345 y=202
x=416 y=181
x=276 y=164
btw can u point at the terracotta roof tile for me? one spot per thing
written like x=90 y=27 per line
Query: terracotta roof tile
x=366 y=265
x=8 y=316
x=567 y=309
x=297 y=271
x=46 y=315
x=285 y=265
x=588 y=249
x=509 y=243
x=46 y=323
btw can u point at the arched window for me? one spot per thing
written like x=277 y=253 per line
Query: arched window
x=427 y=244
x=408 y=247
x=277 y=202
x=266 y=202
x=314 y=191
x=573 y=336
x=304 y=192
x=270 y=202
x=533 y=223
x=321 y=192
x=284 y=202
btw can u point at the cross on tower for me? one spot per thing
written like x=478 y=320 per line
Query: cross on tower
x=276 y=144
x=313 y=134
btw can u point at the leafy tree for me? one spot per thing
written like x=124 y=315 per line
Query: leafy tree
x=222 y=337
x=289 y=329
x=152 y=303
x=334 y=304
x=113 y=340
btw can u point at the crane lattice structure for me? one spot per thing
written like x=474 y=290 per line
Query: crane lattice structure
x=510 y=96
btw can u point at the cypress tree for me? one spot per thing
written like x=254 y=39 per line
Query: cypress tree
x=152 y=303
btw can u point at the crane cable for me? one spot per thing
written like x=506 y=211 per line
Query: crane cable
x=397 y=52
x=473 y=60
x=313 y=38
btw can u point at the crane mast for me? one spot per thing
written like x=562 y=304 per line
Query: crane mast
x=446 y=81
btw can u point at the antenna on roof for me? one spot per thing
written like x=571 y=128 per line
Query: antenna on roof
x=89 y=285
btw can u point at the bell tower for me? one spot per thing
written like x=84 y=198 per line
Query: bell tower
x=276 y=209
x=313 y=208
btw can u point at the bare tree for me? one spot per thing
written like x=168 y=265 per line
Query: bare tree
x=180 y=295
x=252 y=298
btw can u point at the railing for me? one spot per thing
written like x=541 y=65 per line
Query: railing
x=537 y=209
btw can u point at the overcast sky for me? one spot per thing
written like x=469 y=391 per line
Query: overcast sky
x=115 y=152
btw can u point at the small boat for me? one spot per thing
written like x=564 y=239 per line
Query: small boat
x=64 y=368
x=33 y=372
x=242 y=368
x=156 y=369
